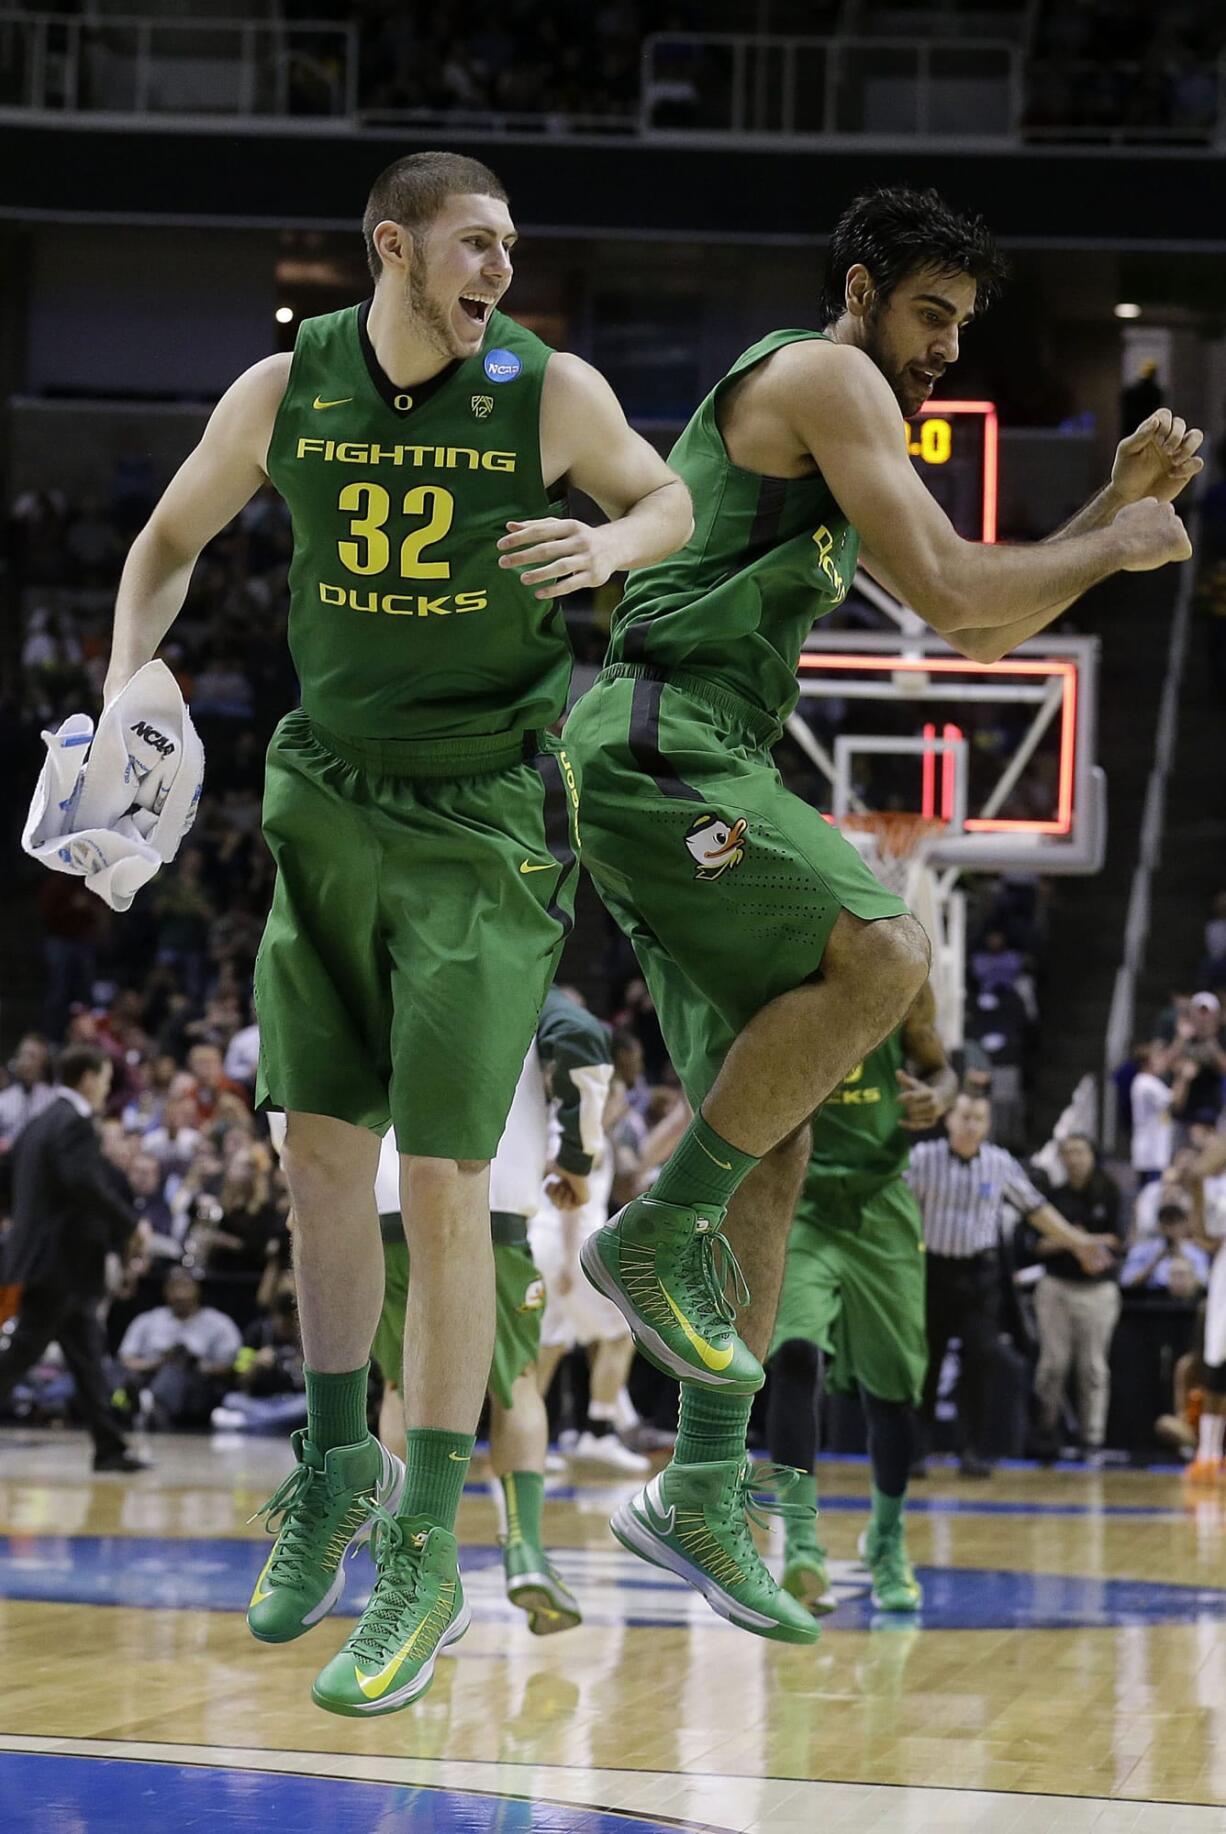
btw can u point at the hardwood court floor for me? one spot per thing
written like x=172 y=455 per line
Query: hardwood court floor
x=1068 y=1671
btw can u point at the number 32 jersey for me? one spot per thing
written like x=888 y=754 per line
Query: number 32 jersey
x=402 y=624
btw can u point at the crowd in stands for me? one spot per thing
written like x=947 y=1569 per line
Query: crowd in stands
x=1126 y=70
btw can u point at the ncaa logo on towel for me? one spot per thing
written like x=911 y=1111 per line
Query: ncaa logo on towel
x=156 y=740
x=501 y=365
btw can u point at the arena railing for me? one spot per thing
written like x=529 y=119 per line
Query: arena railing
x=126 y=64
x=719 y=83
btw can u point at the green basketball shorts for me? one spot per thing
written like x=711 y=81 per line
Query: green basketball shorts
x=415 y=929
x=854 y=1285
x=519 y=1303
x=726 y=884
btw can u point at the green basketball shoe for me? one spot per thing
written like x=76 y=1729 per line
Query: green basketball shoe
x=884 y=1553
x=323 y=1511
x=805 y=1577
x=694 y=1520
x=534 y=1586
x=416 y=1609
x=666 y=1270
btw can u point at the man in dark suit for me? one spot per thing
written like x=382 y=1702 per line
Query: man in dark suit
x=67 y=1214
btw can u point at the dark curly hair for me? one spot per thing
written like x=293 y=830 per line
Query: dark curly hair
x=895 y=231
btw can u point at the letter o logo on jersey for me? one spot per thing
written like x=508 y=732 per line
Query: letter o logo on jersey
x=501 y=365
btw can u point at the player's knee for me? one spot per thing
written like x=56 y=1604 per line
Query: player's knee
x=796 y=1360
x=900 y=955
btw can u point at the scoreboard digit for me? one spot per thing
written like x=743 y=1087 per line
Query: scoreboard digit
x=954 y=445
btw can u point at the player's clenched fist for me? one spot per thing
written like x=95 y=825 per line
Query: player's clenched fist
x=1152 y=535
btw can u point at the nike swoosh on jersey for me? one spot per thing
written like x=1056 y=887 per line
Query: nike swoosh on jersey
x=317 y=403
x=714 y=1359
x=527 y=866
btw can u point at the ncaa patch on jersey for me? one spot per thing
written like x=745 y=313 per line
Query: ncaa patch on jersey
x=501 y=365
x=482 y=406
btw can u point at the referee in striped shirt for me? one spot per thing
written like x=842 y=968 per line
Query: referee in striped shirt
x=962 y=1184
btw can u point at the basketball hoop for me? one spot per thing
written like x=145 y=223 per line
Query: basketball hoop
x=893 y=842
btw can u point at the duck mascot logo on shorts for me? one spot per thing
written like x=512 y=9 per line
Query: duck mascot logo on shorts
x=715 y=845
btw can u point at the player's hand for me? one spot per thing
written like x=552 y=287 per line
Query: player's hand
x=1153 y=535
x=1158 y=459
x=566 y=1190
x=922 y=1106
x=561 y=555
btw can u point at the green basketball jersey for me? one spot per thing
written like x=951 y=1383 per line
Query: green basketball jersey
x=858 y=1128
x=402 y=625
x=767 y=557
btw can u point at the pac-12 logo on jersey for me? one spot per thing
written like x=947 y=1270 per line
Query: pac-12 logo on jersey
x=483 y=406
x=501 y=365
x=715 y=845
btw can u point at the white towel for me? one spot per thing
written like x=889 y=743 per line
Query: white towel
x=113 y=805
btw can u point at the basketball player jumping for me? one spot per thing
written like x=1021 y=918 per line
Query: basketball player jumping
x=775 y=960
x=420 y=441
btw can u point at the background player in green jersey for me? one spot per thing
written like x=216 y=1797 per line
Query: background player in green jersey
x=421 y=899
x=853 y=1288
x=775 y=960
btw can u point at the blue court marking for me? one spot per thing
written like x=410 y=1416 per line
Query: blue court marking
x=44 y=1792
x=614 y=1588
x=967 y=1506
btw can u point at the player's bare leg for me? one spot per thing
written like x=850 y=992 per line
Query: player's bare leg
x=449 y=1323
x=324 y=1507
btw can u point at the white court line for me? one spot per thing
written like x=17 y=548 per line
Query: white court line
x=743 y=1805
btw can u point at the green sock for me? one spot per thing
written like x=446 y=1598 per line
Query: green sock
x=336 y=1408
x=711 y=1426
x=704 y=1169
x=801 y=1531
x=437 y=1467
x=886 y=1512
x=523 y=1493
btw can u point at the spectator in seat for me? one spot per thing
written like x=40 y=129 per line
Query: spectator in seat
x=206 y=1066
x=174 y=1143
x=1077 y=1308
x=269 y=1395
x=180 y=1356
x=1171 y=1262
x=1150 y=1099
x=1198 y=1035
x=30 y=1090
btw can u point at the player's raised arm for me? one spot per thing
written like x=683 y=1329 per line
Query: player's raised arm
x=210 y=487
x=847 y=417
x=586 y=439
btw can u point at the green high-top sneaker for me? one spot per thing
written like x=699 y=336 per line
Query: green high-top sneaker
x=534 y=1586
x=884 y=1553
x=416 y=1609
x=322 y=1514
x=695 y=1520
x=666 y=1269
